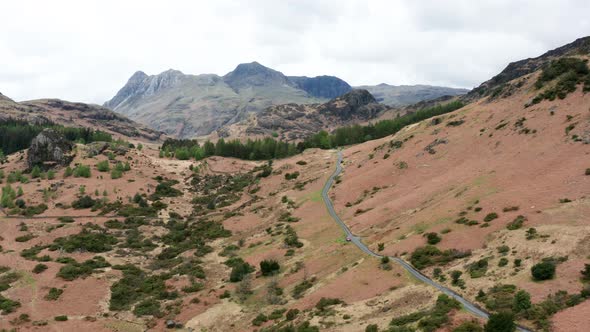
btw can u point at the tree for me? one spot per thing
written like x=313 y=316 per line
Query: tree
x=269 y=267
x=543 y=271
x=432 y=238
x=500 y=322
x=522 y=301
x=586 y=272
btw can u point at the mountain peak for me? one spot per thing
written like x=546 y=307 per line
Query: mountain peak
x=254 y=74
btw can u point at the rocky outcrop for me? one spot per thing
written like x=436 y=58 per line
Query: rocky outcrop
x=580 y=46
x=295 y=121
x=321 y=86
x=48 y=149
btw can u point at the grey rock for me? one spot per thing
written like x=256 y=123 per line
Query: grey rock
x=48 y=149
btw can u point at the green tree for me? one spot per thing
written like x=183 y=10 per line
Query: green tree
x=543 y=271
x=500 y=322
x=522 y=301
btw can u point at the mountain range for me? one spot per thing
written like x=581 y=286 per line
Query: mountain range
x=184 y=105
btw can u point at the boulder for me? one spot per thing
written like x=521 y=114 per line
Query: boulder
x=48 y=149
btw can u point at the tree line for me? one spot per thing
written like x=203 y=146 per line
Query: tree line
x=356 y=134
x=16 y=135
x=269 y=148
x=258 y=149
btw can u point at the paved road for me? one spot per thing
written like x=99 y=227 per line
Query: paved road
x=417 y=274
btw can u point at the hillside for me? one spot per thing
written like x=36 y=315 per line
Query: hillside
x=295 y=122
x=489 y=199
x=71 y=114
x=404 y=95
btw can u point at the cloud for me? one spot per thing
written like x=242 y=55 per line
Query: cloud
x=86 y=50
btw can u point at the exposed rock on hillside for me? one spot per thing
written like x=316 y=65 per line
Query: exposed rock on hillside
x=293 y=121
x=524 y=67
x=49 y=148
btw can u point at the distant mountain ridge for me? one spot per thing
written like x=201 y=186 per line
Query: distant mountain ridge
x=184 y=105
x=403 y=95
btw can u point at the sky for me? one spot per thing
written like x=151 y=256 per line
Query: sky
x=87 y=50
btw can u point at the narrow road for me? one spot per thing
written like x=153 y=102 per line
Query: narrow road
x=472 y=308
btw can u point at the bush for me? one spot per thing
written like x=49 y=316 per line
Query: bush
x=61 y=318
x=50 y=174
x=39 y=268
x=516 y=223
x=372 y=328
x=259 y=320
x=53 y=294
x=147 y=307
x=82 y=171
x=239 y=269
x=269 y=267
x=500 y=322
x=490 y=216
x=103 y=166
x=84 y=202
x=36 y=172
x=7 y=305
x=543 y=271
x=432 y=238
x=116 y=174
x=292 y=314
x=324 y=303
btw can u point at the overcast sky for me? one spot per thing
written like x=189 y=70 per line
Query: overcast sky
x=86 y=50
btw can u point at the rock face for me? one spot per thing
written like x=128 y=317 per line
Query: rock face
x=296 y=122
x=322 y=86
x=49 y=148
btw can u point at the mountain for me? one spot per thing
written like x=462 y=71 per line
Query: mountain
x=190 y=105
x=72 y=114
x=296 y=121
x=523 y=67
x=403 y=95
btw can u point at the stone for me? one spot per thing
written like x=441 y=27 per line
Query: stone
x=48 y=149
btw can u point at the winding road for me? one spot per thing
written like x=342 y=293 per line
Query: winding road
x=472 y=308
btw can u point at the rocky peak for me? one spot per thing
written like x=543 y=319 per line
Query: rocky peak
x=321 y=86
x=49 y=148
x=254 y=74
x=358 y=97
x=358 y=103
x=140 y=85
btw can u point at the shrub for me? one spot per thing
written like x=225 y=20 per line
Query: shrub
x=36 y=172
x=587 y=171
x=259 y=320
x=372 y=328
x=66 y=219
x=543 y=271
x=147 y=307
x=478 y=269
x=292 y=314
x=490 y=216
x=84 y=202
x=239 y=269
x=522 y=301
x=103 y=166
x=469 y=326
x=269 y=267
x=7 y=305
x=516 y=223
x=61 y=318
x=500 y=322
x=39 y=268
x=50 y=174
x=432 y=238
x=53 y=294
x=82 y=171
x=116 y=174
